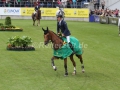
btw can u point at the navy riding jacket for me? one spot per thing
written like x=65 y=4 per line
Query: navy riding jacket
x=37 y=8
x=63 y=27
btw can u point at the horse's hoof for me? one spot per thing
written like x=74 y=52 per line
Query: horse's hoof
x=66 y=74
x=83 y=71
x=55 y=68
x=74 y=73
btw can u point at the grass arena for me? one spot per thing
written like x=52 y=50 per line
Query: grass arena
x=31 y=70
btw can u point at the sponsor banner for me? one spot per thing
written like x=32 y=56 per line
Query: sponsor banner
x=44 y=11
x=10 y=11
x=27 y=11
x=113 y=20
x=103 y=20
x=76 y=12
x=52 y=12
x=91 y=18
x=48 y=11
x=97 y=18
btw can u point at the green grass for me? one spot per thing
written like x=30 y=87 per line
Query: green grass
x=31 y=70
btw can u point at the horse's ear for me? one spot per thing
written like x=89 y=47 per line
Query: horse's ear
x=43 y=29
x=47 y=29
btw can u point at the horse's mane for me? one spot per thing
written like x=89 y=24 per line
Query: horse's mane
x=56 y=35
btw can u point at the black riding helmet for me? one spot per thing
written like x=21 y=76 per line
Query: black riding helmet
x=59 y=16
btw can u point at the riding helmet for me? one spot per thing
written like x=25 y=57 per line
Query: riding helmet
x=59 y=16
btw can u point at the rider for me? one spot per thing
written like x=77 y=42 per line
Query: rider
x=37 y=7
x=61 y=24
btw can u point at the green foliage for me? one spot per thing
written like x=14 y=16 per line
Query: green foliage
x=1 y=24
x=23 y=41
x=7 y=26
x=8 y=21
x=11 y=26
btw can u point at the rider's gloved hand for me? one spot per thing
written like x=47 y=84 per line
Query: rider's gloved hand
x=59 y=34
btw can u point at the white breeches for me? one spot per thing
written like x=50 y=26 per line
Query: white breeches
x=68 y=39
x=35 y=12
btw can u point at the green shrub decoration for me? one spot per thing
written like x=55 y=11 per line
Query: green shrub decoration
x=1 y=24
x=8 y=26
x=7 y=21
x=17 y=41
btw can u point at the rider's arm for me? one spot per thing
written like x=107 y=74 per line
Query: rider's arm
x=58 y=28
x=65 y=27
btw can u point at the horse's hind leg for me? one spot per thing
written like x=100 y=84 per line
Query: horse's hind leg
x=65 y=66
x=33 y=22
x=81 y=60
x=38 y=22
x=74 y=64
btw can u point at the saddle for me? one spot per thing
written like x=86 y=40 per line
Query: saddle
x=65 y=42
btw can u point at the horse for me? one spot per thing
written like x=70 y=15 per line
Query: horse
x=37 y=17
x=60 y=44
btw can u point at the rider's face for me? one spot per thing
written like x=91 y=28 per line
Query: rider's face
x=58 y=18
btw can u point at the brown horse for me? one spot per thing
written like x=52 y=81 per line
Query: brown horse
x=37 y=17
x=57 y=44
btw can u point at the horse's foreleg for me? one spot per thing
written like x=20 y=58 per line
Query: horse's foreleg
x=65 y=66
x=81 y=60
x=53 y=64
x=74 y=64
x=38 y=22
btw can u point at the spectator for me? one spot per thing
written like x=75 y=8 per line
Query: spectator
x=7 y=4
x=19 y=3
x=74 y=3
x=79 y=3
x=58 y=4
x=27 y=3
x=116 y=12
x=41 y=4
x=69 y=4
x=82 y=3
x=103 y=4
x=95 y=4
x=64 y=3
x=3 y=3
x=49 y=4
x=0 y=3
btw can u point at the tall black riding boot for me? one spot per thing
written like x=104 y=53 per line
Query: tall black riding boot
x=71 y=46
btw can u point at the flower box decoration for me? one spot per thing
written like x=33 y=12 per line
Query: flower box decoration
x=17 y=43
